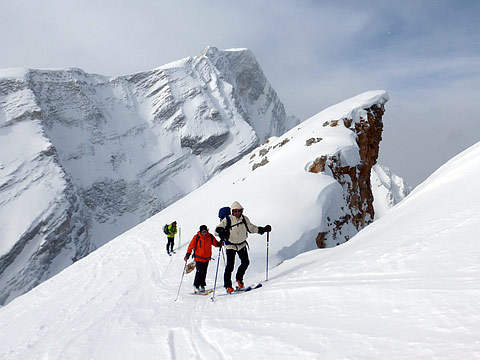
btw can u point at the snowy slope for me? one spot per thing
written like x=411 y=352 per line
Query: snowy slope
x=406 y=287
x=273 y=183
x=85 y=157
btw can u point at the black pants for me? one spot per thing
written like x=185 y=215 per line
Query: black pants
x=170 y=243
x=244 y=262
x=201 y=273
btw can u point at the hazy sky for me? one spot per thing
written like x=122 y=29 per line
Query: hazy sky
x=426 y=54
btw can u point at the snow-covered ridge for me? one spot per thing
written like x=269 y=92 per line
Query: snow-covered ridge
x=388 y=189
x=105 y=153
x=354 y=108
x=14 y=73
x=276 y=179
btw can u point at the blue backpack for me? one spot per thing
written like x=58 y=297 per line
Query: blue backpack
x=223 y=213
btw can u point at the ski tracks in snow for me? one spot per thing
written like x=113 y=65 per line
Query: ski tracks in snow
x=186 y=329
x=181 y=342
x=193 y=342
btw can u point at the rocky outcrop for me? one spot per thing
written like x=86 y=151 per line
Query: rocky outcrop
x=388 y=189
x=358 y=210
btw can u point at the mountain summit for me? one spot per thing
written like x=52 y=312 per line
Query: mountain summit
x=85 y=157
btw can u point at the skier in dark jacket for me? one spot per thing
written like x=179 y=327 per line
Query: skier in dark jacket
x=201 y=246
x=236 y=243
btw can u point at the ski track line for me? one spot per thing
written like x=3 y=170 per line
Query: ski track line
x=200 y=340
x=200 y=344
x=158 y=277
x=193 y=335
x=171 y=344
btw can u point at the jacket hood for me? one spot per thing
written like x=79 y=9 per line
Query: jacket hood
x=236 y=205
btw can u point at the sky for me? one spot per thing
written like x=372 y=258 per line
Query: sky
x=426 y=54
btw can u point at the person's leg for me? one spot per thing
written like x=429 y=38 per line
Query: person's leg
x=203 y=273
x=196 y=281
x=243 y=255
x=227 y=276
x=198 y=274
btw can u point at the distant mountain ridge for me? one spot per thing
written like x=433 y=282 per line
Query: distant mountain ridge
x=388 y=189
x=86 y=157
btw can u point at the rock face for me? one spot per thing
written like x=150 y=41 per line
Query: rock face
x=388 y=189
x=85 y=157
x=358 y=210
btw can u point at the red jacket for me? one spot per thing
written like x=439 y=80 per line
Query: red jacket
x=202 y=246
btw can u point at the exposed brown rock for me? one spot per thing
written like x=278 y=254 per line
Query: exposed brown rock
x=312 y=141
x=318 y=165
x=332 y=123
x=321 y=240
x=280 y=144
x=355 y=180
x=261 y=163
x=264 y=152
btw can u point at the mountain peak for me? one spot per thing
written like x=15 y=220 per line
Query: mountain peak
x=98 y=155
x=208 y=51
x=212 y=51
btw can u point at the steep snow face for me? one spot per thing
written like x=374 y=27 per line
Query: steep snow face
x=41 y=215
x=388 y=189
x=85 y=157
x=405 y=287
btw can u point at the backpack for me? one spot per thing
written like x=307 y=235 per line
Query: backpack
x=196 y=243
x=165 y=229
x=223 y=213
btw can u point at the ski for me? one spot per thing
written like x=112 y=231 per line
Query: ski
x=249 y=288
x=245 y=289
x=206 y=292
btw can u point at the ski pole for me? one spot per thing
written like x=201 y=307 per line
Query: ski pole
x=268 y=240
x=181 y=280
x=216 y=273
x=179 y=237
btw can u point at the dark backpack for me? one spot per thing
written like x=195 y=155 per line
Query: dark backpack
x=223 y=213
x=165 y=229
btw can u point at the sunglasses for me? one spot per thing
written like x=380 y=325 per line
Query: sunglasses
x=237 y=211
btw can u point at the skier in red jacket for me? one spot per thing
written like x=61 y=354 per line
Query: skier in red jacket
x=201 y=246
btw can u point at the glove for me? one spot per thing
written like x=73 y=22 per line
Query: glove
x=267 y=228
x=261 y=230
x=221 y=243
x=187 y=256
x=221 y=232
